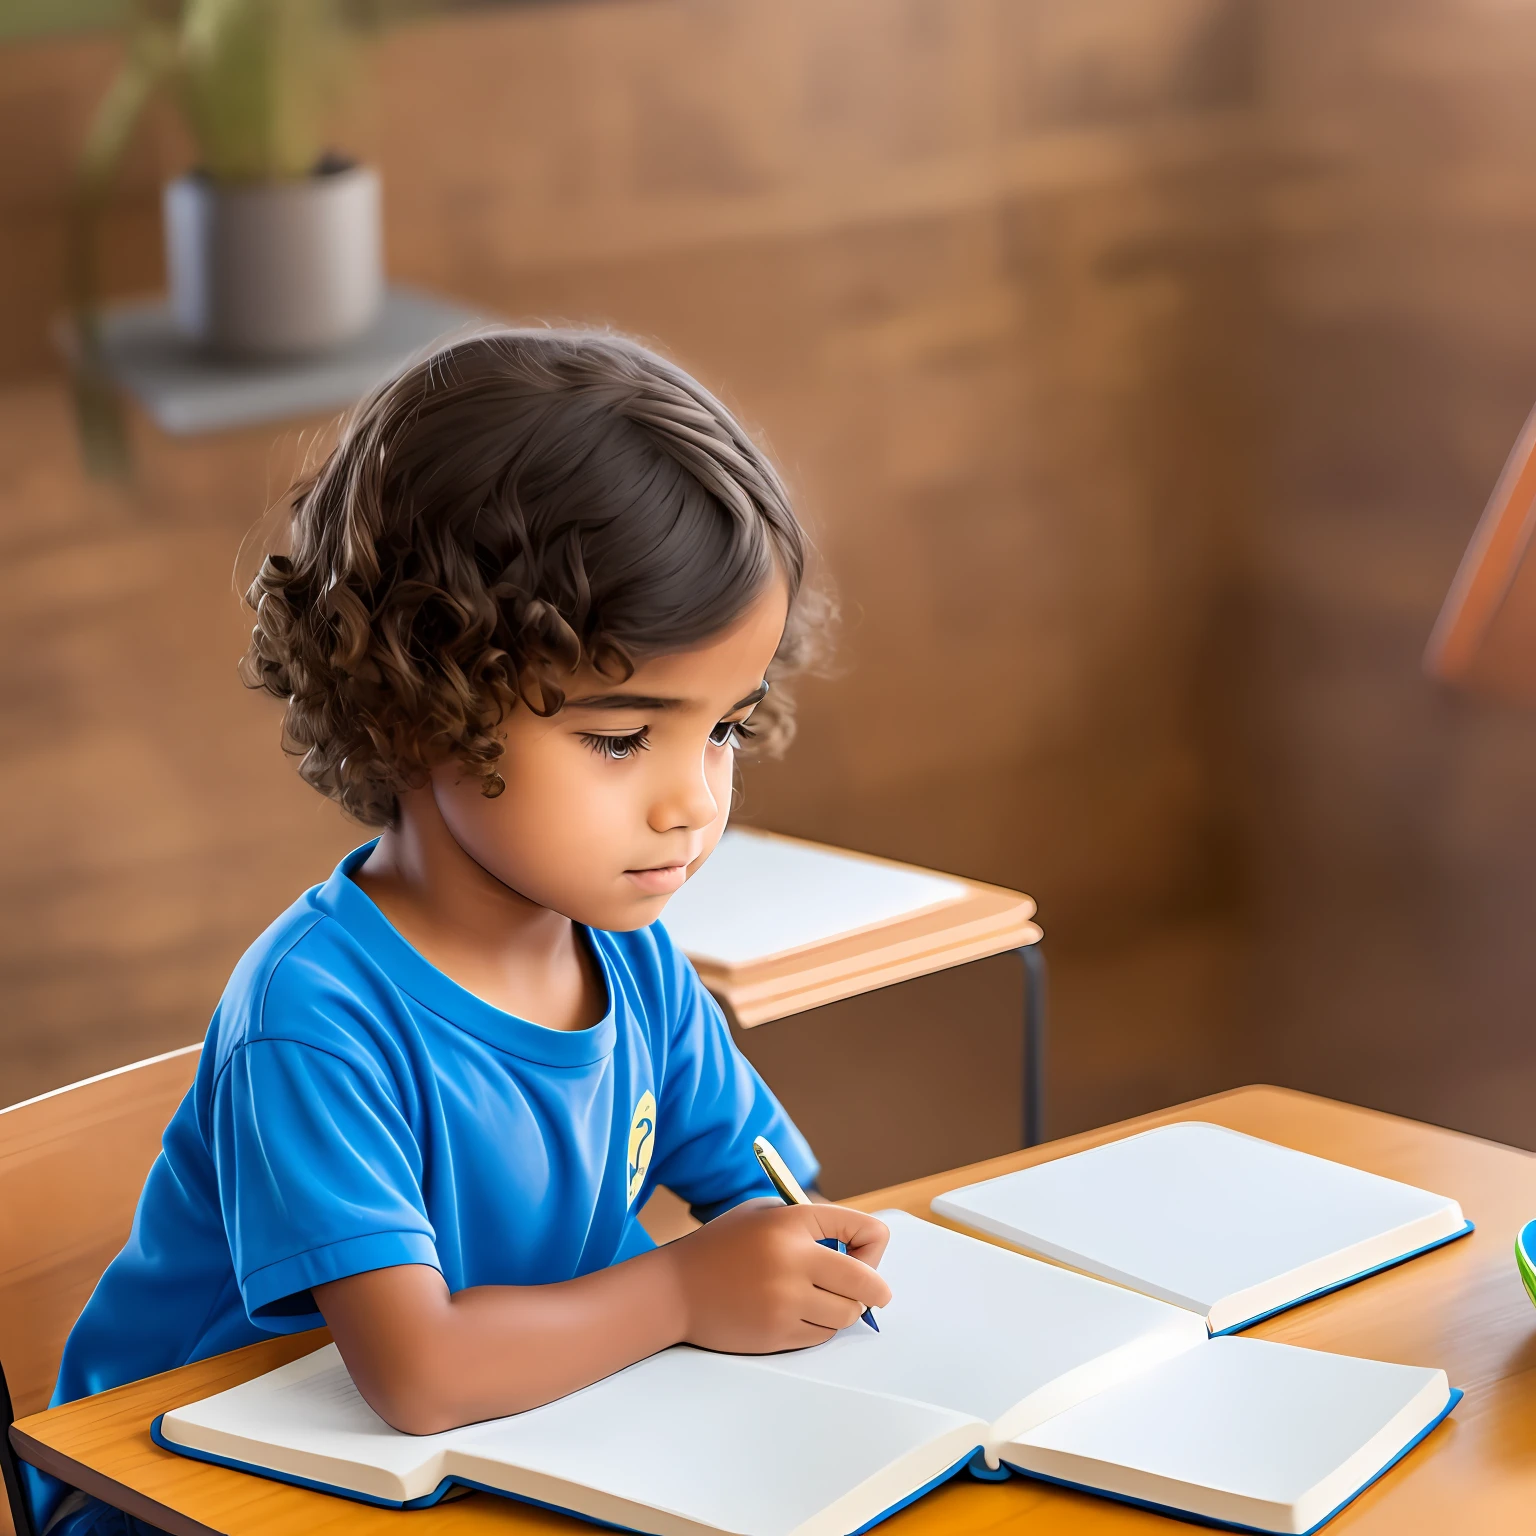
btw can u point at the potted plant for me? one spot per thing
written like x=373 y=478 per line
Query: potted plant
x=272 y=244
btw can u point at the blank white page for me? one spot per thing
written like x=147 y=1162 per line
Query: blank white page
x=758 y=896
x=993 y=1334
x=1241 y=1430
x=689 y=1441
x=1224 y=1224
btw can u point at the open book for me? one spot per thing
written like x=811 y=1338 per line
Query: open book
x=985 y=1358
x=1229 y=1226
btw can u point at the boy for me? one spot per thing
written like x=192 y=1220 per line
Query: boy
x=535 y=598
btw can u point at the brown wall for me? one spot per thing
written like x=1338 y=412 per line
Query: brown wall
x=1392 y=825
x=1141 y=405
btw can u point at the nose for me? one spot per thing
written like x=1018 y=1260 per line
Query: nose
x=684 y=801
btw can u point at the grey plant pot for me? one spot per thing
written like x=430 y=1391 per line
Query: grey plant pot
x=275 y=269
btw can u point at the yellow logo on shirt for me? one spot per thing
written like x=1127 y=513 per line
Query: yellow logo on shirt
x=642 y=1138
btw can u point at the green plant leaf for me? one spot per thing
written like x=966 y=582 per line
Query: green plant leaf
x=258 y=79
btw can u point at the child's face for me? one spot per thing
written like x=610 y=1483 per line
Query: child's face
x=612 y=802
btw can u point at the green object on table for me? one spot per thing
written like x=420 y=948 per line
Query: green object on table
x=1525 y=1257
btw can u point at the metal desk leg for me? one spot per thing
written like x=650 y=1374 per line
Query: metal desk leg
x=1034 y=1044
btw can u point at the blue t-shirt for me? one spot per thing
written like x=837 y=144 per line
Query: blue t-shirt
x=355 y=1109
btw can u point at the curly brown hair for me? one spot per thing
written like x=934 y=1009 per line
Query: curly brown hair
x=513 y=507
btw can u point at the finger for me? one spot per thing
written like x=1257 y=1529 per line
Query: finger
x=871 y=1252
x=864 y=1235
x=823 y=1309
x=844 y=1275
x=803 y=1335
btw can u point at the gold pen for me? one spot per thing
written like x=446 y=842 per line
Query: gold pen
x=788 y=1188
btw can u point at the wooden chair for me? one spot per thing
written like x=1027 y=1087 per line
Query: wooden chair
x=72 y=1163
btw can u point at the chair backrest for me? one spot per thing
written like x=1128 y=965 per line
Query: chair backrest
x=72 y=1163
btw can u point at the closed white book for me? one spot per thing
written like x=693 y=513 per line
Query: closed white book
x=986 y=1359
x=1223 y=1224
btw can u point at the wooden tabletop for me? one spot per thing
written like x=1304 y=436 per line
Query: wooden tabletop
x=1461 y=1307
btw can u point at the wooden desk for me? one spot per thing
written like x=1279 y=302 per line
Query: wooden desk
x=1461 y=1307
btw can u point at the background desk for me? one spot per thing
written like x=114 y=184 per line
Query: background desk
x=977 y=922
x=1461 y=1307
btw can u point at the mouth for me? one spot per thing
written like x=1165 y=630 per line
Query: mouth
x=660 y=879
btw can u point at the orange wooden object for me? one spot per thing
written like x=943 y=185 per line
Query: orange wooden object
x=72 y=1163
x=1485 y=637
x=1461 y=1307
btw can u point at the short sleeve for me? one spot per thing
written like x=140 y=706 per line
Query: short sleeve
x=319 y=1177
x=712 y=1105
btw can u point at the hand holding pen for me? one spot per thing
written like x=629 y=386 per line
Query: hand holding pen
x=790 y=1192
x=762 y=1278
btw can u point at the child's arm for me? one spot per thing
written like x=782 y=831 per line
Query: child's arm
x=750 y=1282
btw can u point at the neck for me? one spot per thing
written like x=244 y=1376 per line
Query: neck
x=426 y=884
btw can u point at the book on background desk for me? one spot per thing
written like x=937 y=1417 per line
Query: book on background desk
x=759 y=896
x=1223 y=1224
x=986 y=1358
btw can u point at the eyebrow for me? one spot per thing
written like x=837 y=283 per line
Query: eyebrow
x=654 y=701
x=622 y=701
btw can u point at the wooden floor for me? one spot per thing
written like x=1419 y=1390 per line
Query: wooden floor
x=1142 y=368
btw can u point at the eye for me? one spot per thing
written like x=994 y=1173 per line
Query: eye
x=617 y=748
x=731 y=733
